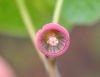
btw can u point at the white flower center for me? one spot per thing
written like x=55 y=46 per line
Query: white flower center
x=53 y=41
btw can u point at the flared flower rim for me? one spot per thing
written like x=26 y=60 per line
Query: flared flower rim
x=52 y=26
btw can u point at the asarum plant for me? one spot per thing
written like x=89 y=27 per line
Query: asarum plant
x=52 y=39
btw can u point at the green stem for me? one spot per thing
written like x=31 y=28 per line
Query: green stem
x=57 y=11
x=29 y=25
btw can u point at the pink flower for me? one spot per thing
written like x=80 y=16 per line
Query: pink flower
x=5 y=69
x=52 y=39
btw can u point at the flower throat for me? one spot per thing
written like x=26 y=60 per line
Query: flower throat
x=51 y=37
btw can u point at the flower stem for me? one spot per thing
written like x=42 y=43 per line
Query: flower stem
x=57 y=11
x=52 y=66
x=29 y=25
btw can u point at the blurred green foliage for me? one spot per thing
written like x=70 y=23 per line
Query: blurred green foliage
x=10 y=19
x=81 y=11
x=41 y=12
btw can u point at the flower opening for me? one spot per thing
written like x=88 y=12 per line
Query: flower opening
x=52 y=40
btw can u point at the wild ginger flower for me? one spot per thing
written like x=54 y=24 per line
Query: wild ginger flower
x=52 y=39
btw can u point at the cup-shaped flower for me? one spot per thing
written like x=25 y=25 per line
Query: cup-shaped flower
x=52 y=39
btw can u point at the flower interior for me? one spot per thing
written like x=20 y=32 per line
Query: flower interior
x=53 y=41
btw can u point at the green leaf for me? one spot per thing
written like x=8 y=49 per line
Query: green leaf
x=10 y=19
x=81 y=11
x=41 y=12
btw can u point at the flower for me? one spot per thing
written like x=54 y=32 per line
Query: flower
x=52 y=39
x=5 y=69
